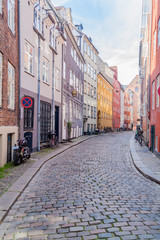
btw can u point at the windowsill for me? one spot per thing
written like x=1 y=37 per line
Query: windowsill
x=57 y=90
x=11 y=109
x=53 y=49
x=39 y=33
x=28 y=129
x=46 y=83
x=29 y=73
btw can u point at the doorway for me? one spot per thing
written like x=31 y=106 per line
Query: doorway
x=9 y=147
x=152 y=137
x=57 y=121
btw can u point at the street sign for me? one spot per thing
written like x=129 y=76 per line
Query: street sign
x=159 y=90
x=26 y=102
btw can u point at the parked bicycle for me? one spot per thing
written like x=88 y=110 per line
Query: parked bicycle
x=139 y=136
x=53 y=139
x=21 y=151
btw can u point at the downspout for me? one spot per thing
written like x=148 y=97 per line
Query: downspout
x=62 y=96
x=38 y=102
x=19 y=44
x=52 y=91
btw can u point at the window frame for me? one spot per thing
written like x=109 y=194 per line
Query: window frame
x=45 y=72
x=11 y=88
x=11 y=15
x=57 y=79
x=29 y=58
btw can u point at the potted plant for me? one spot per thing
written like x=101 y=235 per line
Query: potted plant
x=69 y=125
x=74 y=92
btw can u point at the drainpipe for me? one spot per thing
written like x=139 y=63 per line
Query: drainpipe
x=19 y=27
x=62 y=96
x=52 y=91
x=38 y=100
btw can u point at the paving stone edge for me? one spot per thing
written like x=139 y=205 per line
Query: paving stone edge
x=8 y=199
x=139 y=164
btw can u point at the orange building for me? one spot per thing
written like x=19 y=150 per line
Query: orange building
x=154 y=113
x=104 y=104
x=127 y=111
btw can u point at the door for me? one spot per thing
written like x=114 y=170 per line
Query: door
x=57 y=121
x=29 y=137
x=152 y=137
x=9 y=148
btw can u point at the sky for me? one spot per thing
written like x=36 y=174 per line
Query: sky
x=114 y=26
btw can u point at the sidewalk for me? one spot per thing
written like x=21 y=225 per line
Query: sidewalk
x=10 y=196
x=145 y=161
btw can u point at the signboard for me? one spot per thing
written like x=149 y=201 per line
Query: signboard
x=26 y=102
x=159 y=90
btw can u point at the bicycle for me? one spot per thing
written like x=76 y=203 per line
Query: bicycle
x=53 y=140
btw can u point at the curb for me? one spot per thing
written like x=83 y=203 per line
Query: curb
x=140 y=165
x=8 y=199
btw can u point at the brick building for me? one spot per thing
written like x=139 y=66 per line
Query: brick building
x=9 y=78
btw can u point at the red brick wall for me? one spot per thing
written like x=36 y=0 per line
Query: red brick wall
x=9 y=49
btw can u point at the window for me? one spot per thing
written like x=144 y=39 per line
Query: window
x=153 y=95
x=37 y=18
x=136 y=89
x=45 y=120
x=88 y=89
x=57 y=79
x=64 y=69
x=11 y=15
x=94 y=112
x=92 y=91
x=52 y=38
x=92 y=72
x=85 y=67
x=29 y=116
x=1 y=64
x=74 y=80
x=1 y=6
x=91 y=112
x=85 y=87
x=84 y=110
x=45 y=70
x=89 y=51
x=157 y=86
x=95 y=93
x=77 y=84
x=92 y=55
x=28 y=58
x=89 y=69
x=159 y=32
x=72 y=53
x=71 y=110
x=95 y=58
x=71 y=78
x=11 y=86
x=85 y=46
x=154 y=43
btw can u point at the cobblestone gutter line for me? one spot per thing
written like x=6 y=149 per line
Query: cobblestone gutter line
x=11 y=195
x=140 y=165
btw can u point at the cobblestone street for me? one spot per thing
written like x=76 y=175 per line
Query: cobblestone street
x=91 y=191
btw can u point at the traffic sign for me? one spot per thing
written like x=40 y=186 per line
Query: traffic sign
x=159 y=90
x=26 y=102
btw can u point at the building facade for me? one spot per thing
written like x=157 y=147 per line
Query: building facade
x=9 y=79
x=127 y=111
x=116 y=99
x=104 y=104
x=144 y=66
x=154 y=113
x=40 y=72
x=122 y=108
x=90 y=86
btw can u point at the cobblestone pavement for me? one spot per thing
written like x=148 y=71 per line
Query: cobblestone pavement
x=91 y=191
x=13 y=174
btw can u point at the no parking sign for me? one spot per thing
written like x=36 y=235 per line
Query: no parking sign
x=26 y=102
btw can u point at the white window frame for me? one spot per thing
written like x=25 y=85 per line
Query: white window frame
x=158 y=32
x=0 y=6
x=28 y=62
x=85 y=46
x=157 y=86
x=52 y=38
x=57 y=79
x=1 y=69
x=153 y=95
x=45 y=76
x=38 y=18
x=11 y=15
x=89 y=51
x=11 y=86
x=154 y=43
x=95 y=58
x=71 y=78
x=89 y=69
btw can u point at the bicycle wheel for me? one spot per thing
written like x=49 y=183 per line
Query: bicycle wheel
x=51 y=143
x=16 y=158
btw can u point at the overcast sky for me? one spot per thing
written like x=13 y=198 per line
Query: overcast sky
x=114 y=26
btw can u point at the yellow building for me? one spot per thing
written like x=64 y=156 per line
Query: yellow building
x=104 y=103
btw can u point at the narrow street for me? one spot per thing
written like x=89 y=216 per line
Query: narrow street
x=91 y=191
